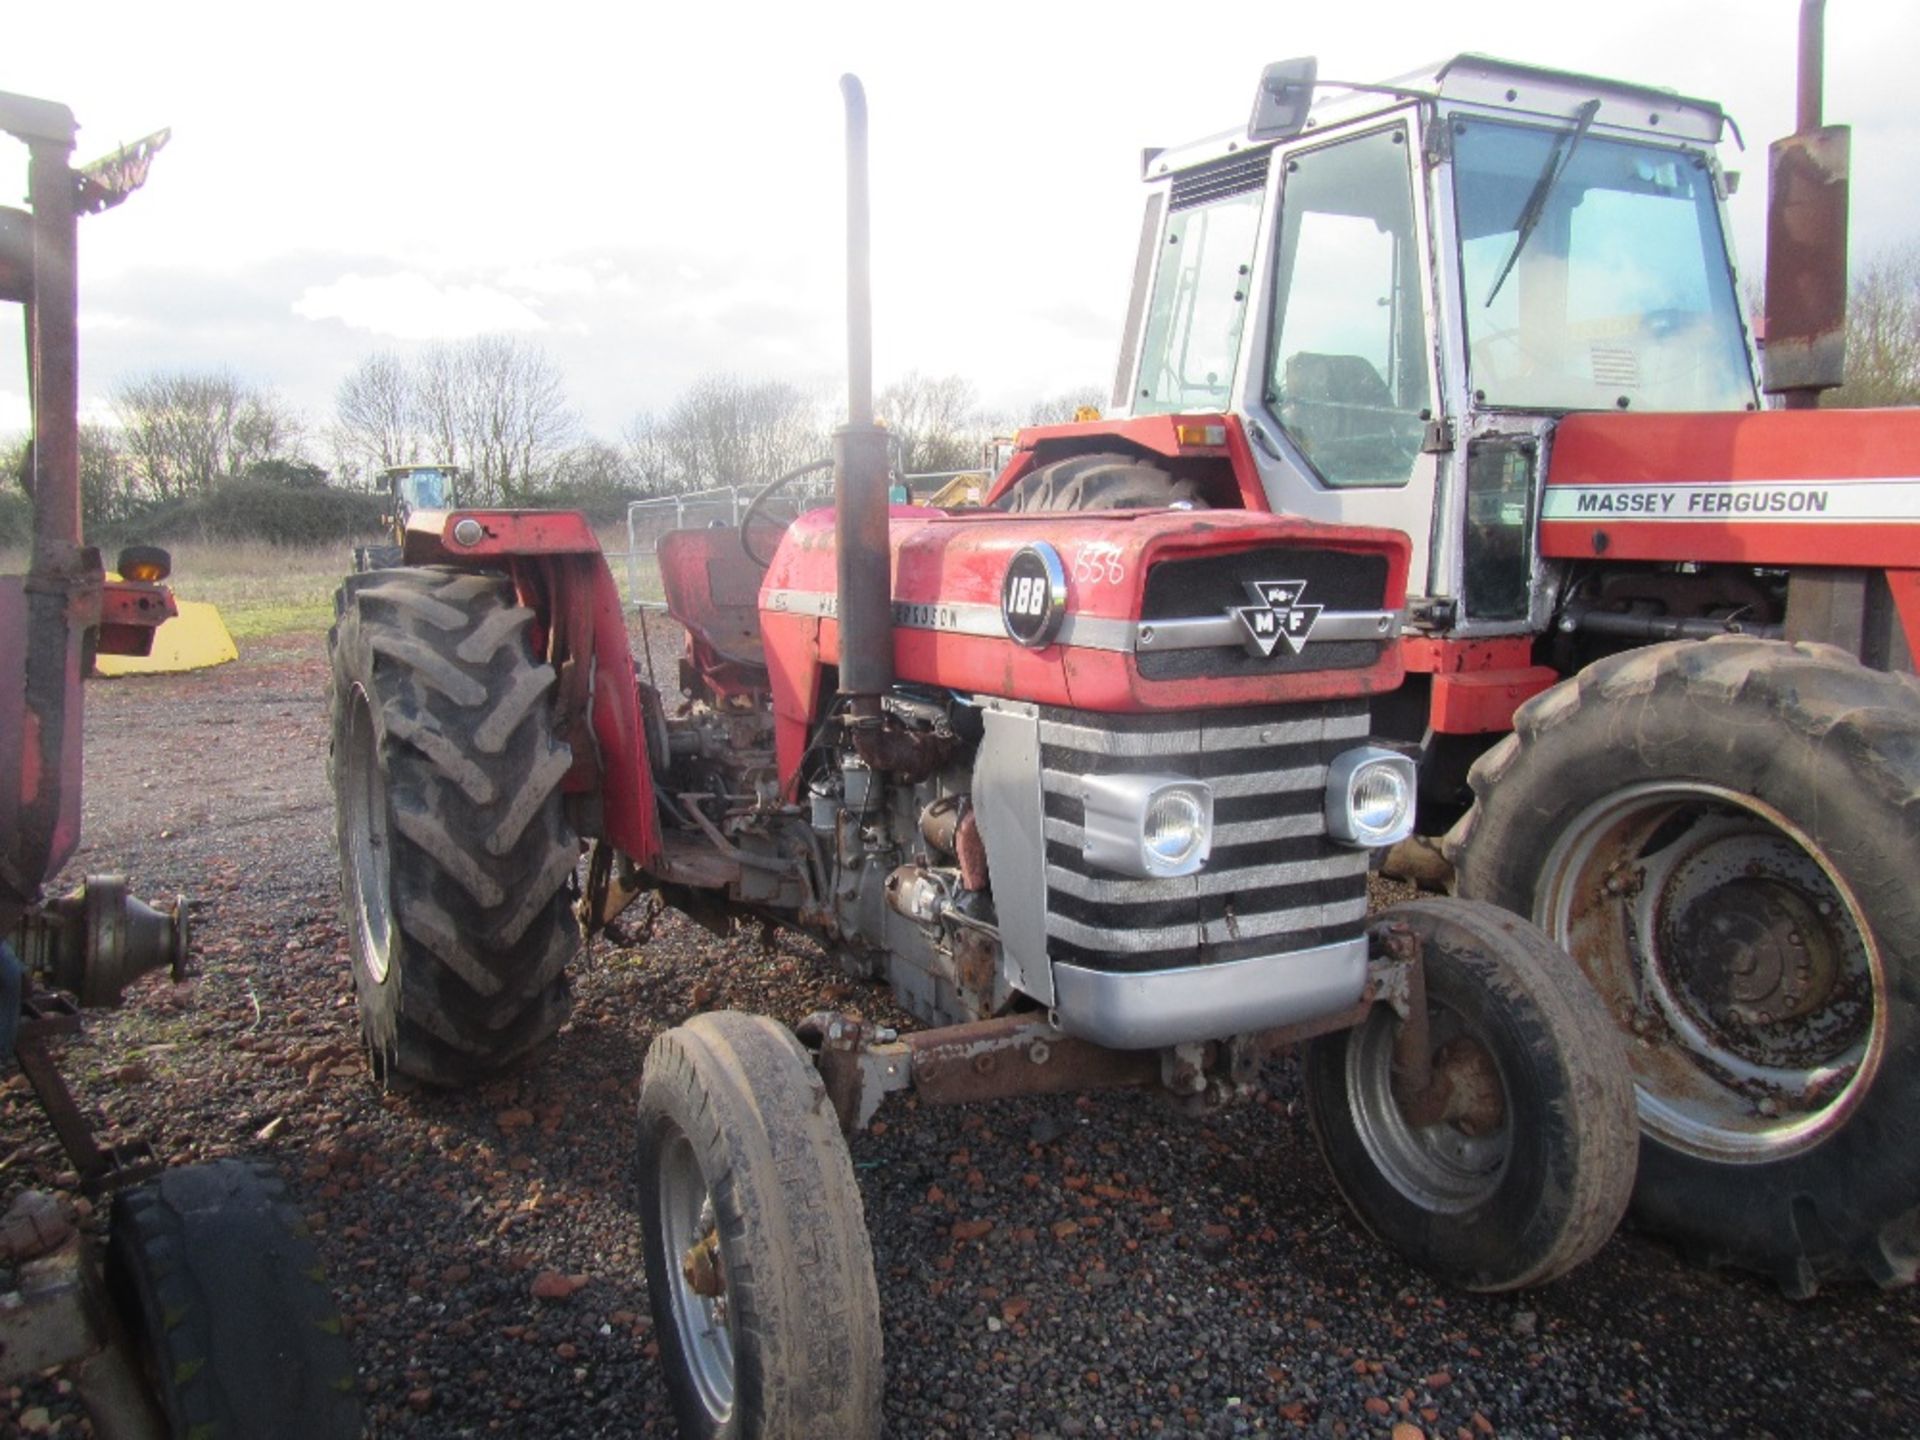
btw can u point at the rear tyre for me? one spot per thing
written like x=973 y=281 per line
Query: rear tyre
x=1525 y=1170
x=1726 y=833
x=1106 y=481
x=376 y=557
x=456 y=858
x=759 y=1268
x=216 y=1277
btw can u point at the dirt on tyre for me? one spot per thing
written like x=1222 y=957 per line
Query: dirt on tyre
x=759 y=1270
x=456 y=855
x=1517 y=1165
x=217 y=1279
x=1726 y=834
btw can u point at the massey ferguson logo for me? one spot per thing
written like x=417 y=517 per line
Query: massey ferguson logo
x=1277 y=615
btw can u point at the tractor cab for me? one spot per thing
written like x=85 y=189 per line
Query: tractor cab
x=1399 y=288
x=421 y=487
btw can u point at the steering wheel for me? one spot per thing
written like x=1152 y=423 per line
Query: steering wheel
x=760 y=497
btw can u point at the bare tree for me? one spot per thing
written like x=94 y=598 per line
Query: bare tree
x=936 y=420
x=106 y=480
x=183 y=430
x=1883 y=332
x=495 y=404
x=730 y=431
x=649 y=461
x=376 y=417
x=1067 y=405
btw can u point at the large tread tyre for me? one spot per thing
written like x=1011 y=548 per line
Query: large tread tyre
x=759 y=1269
x=1726 y=833
x=1105 y=481
x=1527 y=1171
x=456 y=856
x=216 y=1277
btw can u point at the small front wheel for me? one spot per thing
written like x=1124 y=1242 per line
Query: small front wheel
x=759 y=1269
x=1517 y=1163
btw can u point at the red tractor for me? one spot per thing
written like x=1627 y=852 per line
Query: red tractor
x=209 y=1315
x=1087 y=775
x=1659 y=641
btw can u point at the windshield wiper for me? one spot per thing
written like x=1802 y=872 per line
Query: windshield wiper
x=1558 y=158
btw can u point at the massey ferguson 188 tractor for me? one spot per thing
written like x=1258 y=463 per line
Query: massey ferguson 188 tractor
x=1086 y=774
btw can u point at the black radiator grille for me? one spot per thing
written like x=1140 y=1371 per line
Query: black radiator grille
x=1212 y=585
x=1274 y=881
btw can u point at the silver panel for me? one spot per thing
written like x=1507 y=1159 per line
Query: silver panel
x=1122 y=890
x=1210 y=631
x=1216 y=932
x=1089 y=740
x=1209 y=1002
x=1090 y=632
x=1007 y=804
x=1224 y=787
x=1240 y=832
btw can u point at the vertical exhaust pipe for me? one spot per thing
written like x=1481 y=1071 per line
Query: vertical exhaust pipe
x=860 y=463
x=1807 y=238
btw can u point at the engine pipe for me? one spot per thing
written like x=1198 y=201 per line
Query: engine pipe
x=860 y=463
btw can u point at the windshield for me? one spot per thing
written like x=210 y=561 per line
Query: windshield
x=1619 y=295
x=425 y=489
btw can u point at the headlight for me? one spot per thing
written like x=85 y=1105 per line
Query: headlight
x=1370 y=797
x=1148 y=826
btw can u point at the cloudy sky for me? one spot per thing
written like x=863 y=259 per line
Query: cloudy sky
x=654 y=193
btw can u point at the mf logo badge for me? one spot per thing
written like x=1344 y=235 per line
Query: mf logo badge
x=1033 y=595
x=1277 y=615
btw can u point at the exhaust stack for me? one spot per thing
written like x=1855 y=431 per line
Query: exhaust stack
x=1807 y=239
x=860 y=463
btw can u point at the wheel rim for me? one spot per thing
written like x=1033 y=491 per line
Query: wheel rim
x=1450 y=1164
x=703 y=1322
x=1735 y=956
x=363 y=839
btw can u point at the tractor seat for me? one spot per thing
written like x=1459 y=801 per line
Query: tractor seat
x=713 y=589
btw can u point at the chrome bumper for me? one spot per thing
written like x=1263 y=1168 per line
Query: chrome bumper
x=1146 y=1009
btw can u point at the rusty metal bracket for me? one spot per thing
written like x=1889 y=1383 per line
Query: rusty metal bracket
x=100 y=1168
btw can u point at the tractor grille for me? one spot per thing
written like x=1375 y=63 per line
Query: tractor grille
x=1274 y=882
x=1217 y=584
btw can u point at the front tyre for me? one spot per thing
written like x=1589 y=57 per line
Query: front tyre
x=759 y=1270
x=1726 y=834
x=456 y=856
x=1517 y=1165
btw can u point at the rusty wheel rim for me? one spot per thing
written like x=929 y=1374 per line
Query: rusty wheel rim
x=703 y=1321
x=1733 y=955
x=1446 y=1165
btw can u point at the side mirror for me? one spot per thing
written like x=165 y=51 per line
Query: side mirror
x=1281 y=103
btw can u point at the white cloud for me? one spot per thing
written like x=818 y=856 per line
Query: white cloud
x=409 y=306
x=550 y=279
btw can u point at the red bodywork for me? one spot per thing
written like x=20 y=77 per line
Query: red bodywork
x=559 y=573
x=947 y=574
x=1477 y=684
x=1771 y=487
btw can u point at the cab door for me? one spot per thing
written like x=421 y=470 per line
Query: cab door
x=1338 y=376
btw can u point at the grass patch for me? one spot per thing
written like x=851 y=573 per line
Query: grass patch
x=262 y=589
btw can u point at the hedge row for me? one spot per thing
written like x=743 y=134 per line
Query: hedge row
x=263 y=510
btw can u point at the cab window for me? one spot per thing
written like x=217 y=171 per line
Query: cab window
x=1349 y=373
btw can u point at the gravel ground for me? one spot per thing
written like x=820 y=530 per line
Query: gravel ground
x=1062 y=1267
